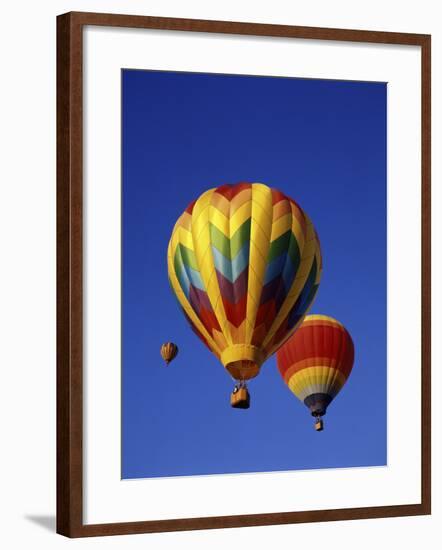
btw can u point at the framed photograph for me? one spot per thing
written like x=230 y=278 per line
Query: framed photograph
x=243 y=276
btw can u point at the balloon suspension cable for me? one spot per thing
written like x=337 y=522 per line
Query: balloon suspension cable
x=239 y=383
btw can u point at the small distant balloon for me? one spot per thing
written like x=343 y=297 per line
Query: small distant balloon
x=169 y=351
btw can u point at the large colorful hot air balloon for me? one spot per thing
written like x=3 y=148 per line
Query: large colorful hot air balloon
x=316 y=362
x=244 y=263
x=168 y=352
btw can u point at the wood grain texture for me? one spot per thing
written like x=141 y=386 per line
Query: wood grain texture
x=70 y=273
x=426 y=275
x=69 y=277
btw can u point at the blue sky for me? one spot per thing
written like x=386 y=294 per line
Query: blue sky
x=323 y=143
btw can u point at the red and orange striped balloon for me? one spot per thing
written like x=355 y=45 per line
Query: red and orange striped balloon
x=316 y=361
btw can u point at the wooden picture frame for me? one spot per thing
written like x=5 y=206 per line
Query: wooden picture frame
x=70 y=273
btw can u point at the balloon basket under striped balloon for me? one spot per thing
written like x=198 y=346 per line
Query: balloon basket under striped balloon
x=319 y=425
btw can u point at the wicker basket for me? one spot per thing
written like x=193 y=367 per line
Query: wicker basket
x=240 y=399
x=319 y=425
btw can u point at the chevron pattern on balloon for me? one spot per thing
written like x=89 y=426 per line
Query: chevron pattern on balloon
x=244 y=262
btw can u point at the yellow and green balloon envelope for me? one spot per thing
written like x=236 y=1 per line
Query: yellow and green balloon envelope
x=244 y=262
x=316 y=362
